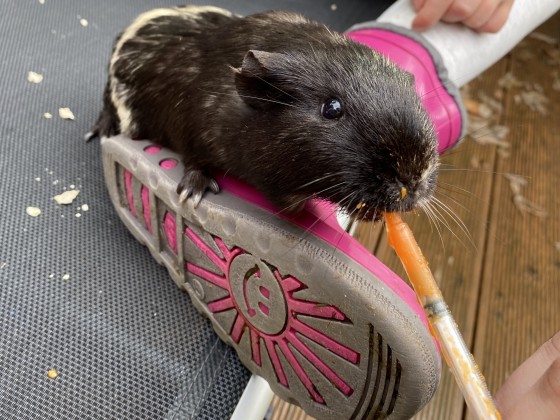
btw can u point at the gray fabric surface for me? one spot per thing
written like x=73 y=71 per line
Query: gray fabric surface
x=127 y=344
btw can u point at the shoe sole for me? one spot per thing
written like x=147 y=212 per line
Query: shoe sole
x=304 y=305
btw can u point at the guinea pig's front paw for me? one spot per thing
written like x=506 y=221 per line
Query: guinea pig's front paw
x=195 y=183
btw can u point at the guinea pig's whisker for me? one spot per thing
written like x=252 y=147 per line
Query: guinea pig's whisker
x=434 y=220
x=450 y=188
x=249 y=97
x=318 y=180
x=266 y=100
x=449 y=211
x=480 y=171
x=441 y=211
x=429 y=92
x=275 y=87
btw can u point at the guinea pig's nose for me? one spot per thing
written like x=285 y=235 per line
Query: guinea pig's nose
x=402 y=187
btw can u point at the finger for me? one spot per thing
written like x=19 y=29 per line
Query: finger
x=430 y=13
x=498 y=19
x=482 y=14
x=460 y=10
x=528 y=373
x=418 y=4
x=543 y=399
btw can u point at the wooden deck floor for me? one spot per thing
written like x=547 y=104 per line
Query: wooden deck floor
x=500 y=275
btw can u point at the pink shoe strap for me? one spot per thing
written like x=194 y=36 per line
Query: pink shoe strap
x=412 y=53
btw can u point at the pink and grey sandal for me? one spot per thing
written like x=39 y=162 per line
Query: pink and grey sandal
x=304 y=304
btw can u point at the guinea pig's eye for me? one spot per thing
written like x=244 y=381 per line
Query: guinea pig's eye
x=331 y=109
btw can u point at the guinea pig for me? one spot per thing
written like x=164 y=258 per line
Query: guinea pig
x=276 y=100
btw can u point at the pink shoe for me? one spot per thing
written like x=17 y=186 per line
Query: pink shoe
x=304 y=304
x=412 y=53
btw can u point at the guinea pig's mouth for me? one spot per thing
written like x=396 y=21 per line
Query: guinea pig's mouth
x=401 y=201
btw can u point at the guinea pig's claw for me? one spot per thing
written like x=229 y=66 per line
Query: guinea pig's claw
x=213 y=186
x=90 y=135
x=195 y=183
x=196 y=199
x=185 y=193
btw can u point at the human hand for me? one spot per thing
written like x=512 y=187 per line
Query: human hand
x=533 y=389
x=480 y=15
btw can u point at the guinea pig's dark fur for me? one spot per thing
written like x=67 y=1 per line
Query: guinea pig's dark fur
x=274 y=99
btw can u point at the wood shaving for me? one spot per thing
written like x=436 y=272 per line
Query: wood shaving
x=33 y=211
x=477 y=108
x=534 y=99
x=67 y=197
x=65 y=114
x=494 y=105
x=553 y=55
x=525 y=55
x=34 y=77
x=556 y=80
x=509 y=81
x=47 y=115
x=556 y=245
x=52 y=374
x=525 y=206
x=544 y=38
x=516 y=182
x=83 y=22
x=504 y=153
x=478 y=163
x=483 y=133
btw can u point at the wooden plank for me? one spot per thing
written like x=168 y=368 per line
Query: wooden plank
x=286 y=411
x=520 y=289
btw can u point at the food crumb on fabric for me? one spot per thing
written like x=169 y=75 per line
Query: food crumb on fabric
x=3 y=265
x=52 y=373
x=83 y=22
x=333 y=7
x=41 y=1
x=38 y=179
x=85 y=207
x=67 y=197
x=78 y=214
x=33 y=211
x=66 y=277
x=34 y=77
x=51 y=275
x=47 y=115
x=65 y=113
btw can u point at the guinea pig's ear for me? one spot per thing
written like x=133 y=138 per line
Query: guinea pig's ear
x=259 y=80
